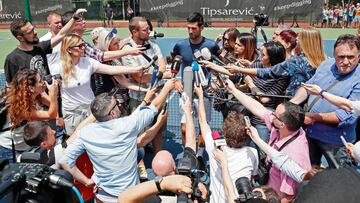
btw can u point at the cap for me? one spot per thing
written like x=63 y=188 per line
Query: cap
x=104 y=39
x=95 y=32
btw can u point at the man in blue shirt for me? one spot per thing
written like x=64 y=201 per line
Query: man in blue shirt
x=187 y=48
x=111 y=144
x=326 y=122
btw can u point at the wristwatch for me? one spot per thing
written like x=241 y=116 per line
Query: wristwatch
x=158 y=180
x=321 y=93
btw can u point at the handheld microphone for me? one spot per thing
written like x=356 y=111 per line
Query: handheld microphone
x=206 y=54
x=197 y=55
x=154 y=74
x=195 y=68
x=158 y=77
x=155 y=35
x=151 y=63
x=175 y=66
x=219 y=140
x=188 y=81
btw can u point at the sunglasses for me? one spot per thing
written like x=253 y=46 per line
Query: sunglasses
x=112 y=33
x=81 y=46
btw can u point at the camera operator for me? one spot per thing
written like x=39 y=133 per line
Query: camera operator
x=236 y=138
x=163 y=163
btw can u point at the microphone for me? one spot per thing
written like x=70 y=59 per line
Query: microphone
x=206 y=54
x=151 y=63
x=154 y=74
x=155 y=35
x=195 y=69
x=188 y=81
x=157 y=79
x=198 y=56
x=175 y=66
x=59 y=181
x=219 y=140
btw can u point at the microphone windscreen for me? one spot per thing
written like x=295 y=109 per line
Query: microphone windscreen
x=160 y=35
x=195 y=66
x=215 y=135
x=206 y=54
x=188 y=81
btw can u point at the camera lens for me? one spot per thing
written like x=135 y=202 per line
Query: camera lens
x=243 y=185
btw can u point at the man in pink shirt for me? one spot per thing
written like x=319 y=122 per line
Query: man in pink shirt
x=286 y=135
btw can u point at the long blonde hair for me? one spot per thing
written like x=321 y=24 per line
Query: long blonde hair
x=312 y=46
x=66 y=60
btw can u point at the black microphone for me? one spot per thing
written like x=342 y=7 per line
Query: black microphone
x=151 y=63
x=159 y=76
x=175 y=66
x=206 y=54
x=155 y=35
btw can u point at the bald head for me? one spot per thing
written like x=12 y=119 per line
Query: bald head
x=163 y=164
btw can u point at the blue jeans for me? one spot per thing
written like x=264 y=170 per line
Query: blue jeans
x=6 y=154
x=335 y=155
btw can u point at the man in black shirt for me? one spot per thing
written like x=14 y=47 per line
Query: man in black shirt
x=31 y=53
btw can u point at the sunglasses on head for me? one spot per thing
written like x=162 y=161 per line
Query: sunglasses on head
x=112 y=33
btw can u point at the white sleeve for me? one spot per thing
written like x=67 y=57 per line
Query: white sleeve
x=288 y=166
x=157 y=50
x=58 y=152
x=356 y=107
x=209 y=142
x=93 y=64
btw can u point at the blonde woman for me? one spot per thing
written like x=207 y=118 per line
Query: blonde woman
x=76 y=71
x=298 y=68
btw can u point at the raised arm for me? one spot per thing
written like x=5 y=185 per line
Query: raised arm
x=116 y=70
x=249 y=103
x=160 y=99
x=66 y=29
x=51 y=101
x=204 y=126
x=111 y=55
x=190 y=128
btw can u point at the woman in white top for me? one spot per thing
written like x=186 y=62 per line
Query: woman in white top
x=76 y=71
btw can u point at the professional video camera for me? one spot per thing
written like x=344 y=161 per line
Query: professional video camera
x=48 y=78
x=32 y=182
x=187 y=166
x=261 y=19
x=245 y=190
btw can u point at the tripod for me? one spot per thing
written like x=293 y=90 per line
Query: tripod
x=254 y=31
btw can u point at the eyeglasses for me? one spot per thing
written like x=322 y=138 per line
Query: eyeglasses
x=115 y=105
x=112 y=33
x=273 y=113
x=81 y=46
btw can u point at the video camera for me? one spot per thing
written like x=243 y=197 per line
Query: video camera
x=48 y=78
x=261 y=19
x=187 y=166
x=245 y=192
x=33 y=182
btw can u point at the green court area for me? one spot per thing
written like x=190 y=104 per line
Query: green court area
x=8 y=42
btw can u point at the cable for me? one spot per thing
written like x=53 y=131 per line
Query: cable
x=77 y=192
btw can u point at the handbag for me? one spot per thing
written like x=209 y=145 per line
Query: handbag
x=264 y=167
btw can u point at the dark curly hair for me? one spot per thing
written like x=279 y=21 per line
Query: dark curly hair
x=234 y=130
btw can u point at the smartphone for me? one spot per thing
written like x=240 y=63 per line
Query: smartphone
x=343 y=140
x=247 y=121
